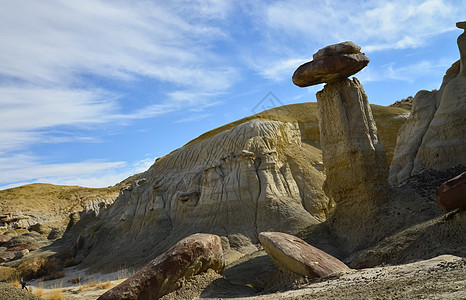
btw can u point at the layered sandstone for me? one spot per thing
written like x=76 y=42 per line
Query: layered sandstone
x=257 y=176
x=434 y=136
x=354 y=159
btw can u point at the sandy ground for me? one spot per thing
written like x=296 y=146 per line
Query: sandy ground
x=89 y=286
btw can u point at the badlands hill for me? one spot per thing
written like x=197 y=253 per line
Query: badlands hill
x=51 y=205
x=231 y=181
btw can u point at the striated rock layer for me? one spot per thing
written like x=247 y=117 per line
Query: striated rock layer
x=354 y=160
x=434 y=135
x=257 y=176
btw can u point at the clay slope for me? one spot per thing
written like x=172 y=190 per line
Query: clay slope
x=261 y=173
x=51 y=204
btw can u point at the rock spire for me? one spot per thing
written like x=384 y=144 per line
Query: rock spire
x=354 y=159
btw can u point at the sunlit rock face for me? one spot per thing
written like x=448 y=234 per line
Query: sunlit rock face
x=434 y=135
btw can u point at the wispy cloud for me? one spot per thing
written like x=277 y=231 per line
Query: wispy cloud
x=91 y=173
x=407 y=73
x=54 y=50
x=379 y=25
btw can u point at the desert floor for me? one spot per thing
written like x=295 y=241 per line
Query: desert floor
x=442 y=277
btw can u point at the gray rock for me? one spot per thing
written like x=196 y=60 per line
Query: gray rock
x=290 y=253
x=340 y=48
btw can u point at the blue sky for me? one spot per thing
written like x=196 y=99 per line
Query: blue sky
x=92 y=92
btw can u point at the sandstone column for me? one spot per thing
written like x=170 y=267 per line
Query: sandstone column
x=353 y=157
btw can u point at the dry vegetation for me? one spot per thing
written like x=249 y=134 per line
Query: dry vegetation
x=41 y=267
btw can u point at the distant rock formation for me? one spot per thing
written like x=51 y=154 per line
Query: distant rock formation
x=190 y=256
x=354 y=159
x=290 y=253
x=434 y=135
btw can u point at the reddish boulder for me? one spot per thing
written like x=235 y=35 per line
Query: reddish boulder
x=20 y=247
x=4 y=239
x=331 y=64
x=290 y=253
x=190 y=256
x=452 y=193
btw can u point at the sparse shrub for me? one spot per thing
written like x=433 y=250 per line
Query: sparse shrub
x=75 y=280
x=56 y=294
x=90 y=284
x=39 y=292
x=45 y=267
x=14 y=283
x=104 y=285
x=8 y=274
x=69 y=262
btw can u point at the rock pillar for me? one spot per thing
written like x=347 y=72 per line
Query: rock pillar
x=354 y=159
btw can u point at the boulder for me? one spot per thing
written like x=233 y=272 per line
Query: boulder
x=452 y=193
x=434 y=135
x=354 y=160
x=290 y=253
x=331 y=64
x=20 y=247
x=21 y=253
x=4 y=239
x=56 y=233
x=190 y=256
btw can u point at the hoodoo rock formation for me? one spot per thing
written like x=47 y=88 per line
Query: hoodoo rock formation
x=353 y=157
x=434 y=135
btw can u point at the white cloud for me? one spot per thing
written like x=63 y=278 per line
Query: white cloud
x=407 y=73
x=23 y=169
x=281 y=69
x=377 y=25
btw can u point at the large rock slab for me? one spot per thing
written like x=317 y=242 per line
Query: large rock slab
x=290 y=253
x=452 y=193
x=434 y=135
x=190 y=256
x=331 y=64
